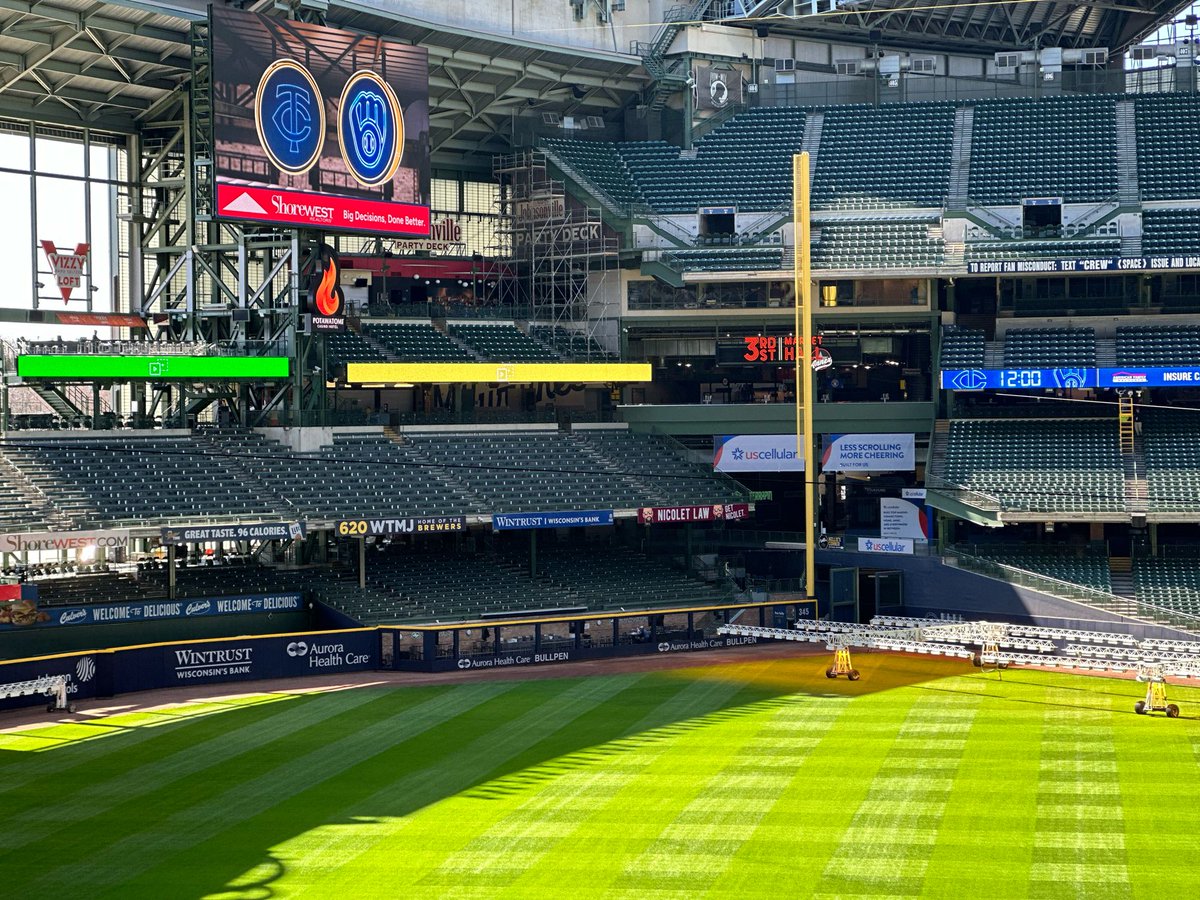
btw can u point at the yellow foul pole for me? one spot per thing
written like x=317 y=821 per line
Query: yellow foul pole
x=802 y=289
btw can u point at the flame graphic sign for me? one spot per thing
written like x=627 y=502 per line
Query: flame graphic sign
x=327 y=298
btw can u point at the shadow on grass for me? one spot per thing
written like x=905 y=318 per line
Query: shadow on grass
x=197 y=806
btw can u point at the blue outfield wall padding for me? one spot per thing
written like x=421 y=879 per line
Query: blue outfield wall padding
x=152 y=667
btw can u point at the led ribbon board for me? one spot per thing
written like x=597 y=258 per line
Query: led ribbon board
x=1042 y=379
x=90 y=367
x=496 y=373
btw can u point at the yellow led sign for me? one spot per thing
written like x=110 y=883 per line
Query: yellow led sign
x=496 y=373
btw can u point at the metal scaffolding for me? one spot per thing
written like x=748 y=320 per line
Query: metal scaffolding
x=561 y=261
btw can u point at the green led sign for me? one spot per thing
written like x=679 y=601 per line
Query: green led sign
x=90 y=367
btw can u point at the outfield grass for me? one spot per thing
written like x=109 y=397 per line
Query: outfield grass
x=754 y=779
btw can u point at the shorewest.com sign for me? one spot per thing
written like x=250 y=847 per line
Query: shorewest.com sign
x=37 y=541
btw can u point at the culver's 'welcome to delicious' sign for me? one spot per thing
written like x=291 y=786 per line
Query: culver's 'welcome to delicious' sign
x=116 y=613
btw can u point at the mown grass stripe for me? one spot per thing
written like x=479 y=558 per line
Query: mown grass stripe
x=71 y=744
x=888 y=843
x=1078 y=794
x=148 y=769
x=628 y=826
x=584 y=824
x=524 y=715
x=340 y=849
x=211 y=806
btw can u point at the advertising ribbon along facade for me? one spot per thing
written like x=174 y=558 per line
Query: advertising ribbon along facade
x=263 y=531
x=570 y=519
x=671 y=515
x=24 y=613
x=405 y=525
x=57 y=541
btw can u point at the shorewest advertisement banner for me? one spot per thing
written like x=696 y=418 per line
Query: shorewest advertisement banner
x=869 y=453
x=756 y=453
x=319 y=128
x=55 y=541
x=24 y=613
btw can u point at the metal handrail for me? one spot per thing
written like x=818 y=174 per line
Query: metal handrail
x=1070 y=591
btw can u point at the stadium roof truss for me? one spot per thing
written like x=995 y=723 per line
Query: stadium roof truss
x=121 y=65
x=968 y=27
x=79 y=62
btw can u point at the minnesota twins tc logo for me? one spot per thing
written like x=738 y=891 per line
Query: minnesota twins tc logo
x=370 y=129
x=289 y=116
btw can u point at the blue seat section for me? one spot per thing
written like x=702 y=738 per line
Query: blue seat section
x=1172 y=459
x=503 y=343
x=1063 y=146
x=1039 y=465
x=138 y=478
x=963 y=348
x=1166 y=232
x=601 y=164
x=1158 y=345
x=879 y=244
x=1171 y=582
x=1088 y=570
x=343 y=347
x=1168 y=151
x=1049 y=348
x=435 y=583
x=890 y=156
x=1080 y=248
x=732 y=259
x=746 y=162
x=417 y=342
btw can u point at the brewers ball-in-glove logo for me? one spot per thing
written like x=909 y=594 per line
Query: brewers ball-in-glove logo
x=370 y=129
x=290 y=116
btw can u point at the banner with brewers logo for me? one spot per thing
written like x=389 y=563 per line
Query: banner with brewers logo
x=318 y=127
x=869 y=453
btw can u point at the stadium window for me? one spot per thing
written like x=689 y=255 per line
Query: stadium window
x=480 y=196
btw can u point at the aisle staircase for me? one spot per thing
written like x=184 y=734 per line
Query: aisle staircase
x=960 y=159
